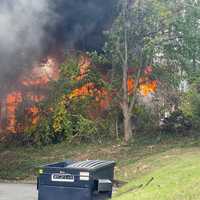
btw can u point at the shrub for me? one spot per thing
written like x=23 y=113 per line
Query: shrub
x=145 y=119
x=191 y=106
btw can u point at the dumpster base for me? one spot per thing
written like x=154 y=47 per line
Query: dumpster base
x=63 y=193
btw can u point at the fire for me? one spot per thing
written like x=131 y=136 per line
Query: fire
x=104 y=98
x=41 y=74
x=33 y=113
x=102 y=95
x=34 y=82
x=145 y=86
x=31 y=82
x=130 y=85
x=84 y=66
x=149 y=87
x=12 y=102
x=86 y=90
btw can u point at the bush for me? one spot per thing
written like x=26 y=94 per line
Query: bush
x=70 y=128
x=145 y=119
x=16 y=139
x=191 y=106
x=85 y=129
x=40 y=134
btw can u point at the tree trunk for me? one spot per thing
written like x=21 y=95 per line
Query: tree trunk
x=125 y=101
x=116 y=128
x=127 y=127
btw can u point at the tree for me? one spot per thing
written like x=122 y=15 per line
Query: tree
x=132 y=43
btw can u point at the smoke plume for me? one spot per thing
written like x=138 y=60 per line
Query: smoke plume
x=30 y=29
x=23 y=34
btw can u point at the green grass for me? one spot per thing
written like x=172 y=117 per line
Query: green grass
x=177 y=178
x=172 y=164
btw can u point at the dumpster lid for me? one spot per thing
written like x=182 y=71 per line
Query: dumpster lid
x=90 y=164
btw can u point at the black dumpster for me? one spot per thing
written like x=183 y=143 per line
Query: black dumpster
x=70 y=180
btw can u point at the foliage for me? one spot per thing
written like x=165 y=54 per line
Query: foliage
x=62 y=126
x=66 y=117
x=86 y=129
x=133 y=43
x=190 y=104
x=163 y=34
x=40 y=134
x=145 y=119
x=99 y=59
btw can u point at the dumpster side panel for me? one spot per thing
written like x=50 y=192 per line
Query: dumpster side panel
x=63 y=193
x=46 y=179
x=104 y=173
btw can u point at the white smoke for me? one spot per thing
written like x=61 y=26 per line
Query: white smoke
x=23 y=23
x=23 y=27
x=30 y=29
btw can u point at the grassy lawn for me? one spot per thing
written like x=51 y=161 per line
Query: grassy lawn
x=175 y=176
x=155 y=168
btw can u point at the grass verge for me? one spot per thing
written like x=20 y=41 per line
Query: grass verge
x=173 y=163
x=175 y=176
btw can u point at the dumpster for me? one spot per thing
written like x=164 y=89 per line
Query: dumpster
x=71 y=180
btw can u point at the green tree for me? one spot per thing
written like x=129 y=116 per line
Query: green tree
x=133 y=42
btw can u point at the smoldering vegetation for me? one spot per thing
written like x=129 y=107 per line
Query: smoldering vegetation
x=32 y=29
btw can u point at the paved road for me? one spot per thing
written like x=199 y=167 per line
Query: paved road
x=17 y=192
x=21 y=192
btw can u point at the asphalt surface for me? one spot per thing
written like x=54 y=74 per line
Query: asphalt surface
x=11 y=191
x=17 y=192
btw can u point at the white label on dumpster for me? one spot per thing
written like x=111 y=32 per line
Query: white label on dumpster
x=84 y=176
x=62 y=178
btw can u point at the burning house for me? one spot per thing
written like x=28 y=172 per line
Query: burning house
x=33 y=39
x=33 y=45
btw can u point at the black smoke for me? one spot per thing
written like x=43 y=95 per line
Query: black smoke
x=32 y=29
x=82 y=22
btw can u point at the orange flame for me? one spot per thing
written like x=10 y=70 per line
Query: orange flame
x=86 y=90
x=33 y=112
x=101 y=95
x=39 y=76
x=12 y=102
x=42 y=74
x=149 y=87
x=84 y=66
x=146 y=85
